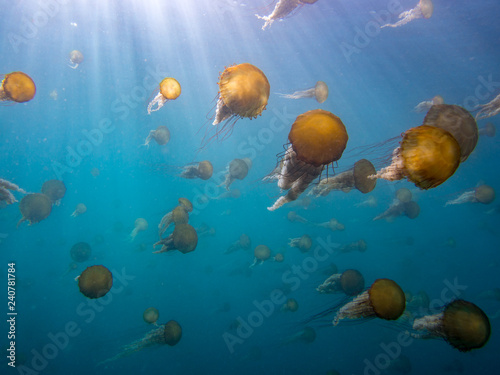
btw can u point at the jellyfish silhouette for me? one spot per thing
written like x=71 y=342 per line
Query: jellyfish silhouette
x=243 y=243
x=95 y=281
x=402 y=205
x=179 y=215
x=202 y=170
x=75 y=58
x=262 y=253
x=484 y=194
x=161 y=135
x=427 y=104
x=5 y=194
x=55 y=190
x=317 y=138
x=424 y=9
x=488 y=130
x=34 y=208
x=151 y=315
x=351 y=282
x=282 y=10
x=169 y=89
x=489 y=109
x=359 y=245
x=80 y=252
x=290 y=305
x=79 y=210
x=140 y=225
x=184 y=239
x=318 y=92
x=296 y=218
x=236 y=170
x=303 y=243
x=17 y=87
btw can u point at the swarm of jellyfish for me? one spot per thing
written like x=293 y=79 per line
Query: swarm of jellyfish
x=282 y=10
x=161 y=135
x=5 y=194
x=95 y=281
x=484 y=194
x=424 y=9
x=34 y=208
x=75 y=59
x=203 y=170
x=318 y=92
x=17 y=87
x=169 y=89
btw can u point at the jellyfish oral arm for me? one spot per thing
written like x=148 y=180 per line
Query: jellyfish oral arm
x=159 y=100
x=356 y=309
x=431 y=325
x=406 y=17
x=393 y=172
x=468 y=196
x=489 y=109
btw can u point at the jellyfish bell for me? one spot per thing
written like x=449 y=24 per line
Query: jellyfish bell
x=294 y=217
x=186 y=203
x=488 y=130
x=151 y=315
x=17 y=87
x=75 y=58
x=403 y=195
x=80 y=252
x=79 y=210
x=291 y=305
x=169 y=89
x=55 y=190
x=161 y=135
x=202 y=170
x=359 y=245
x=140 y=225
x=34 y=208
x=279 y=258
x=411 y=209
x=303 y=243
x=484 y=194
x=318 y=92
x=237 y=170
x=351 y=282
x=424 y=9
x=95 y=281
x=261 y=253
x=184 y=238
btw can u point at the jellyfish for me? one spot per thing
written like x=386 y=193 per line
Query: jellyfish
x=186 y=203
x=237 y=169
x=359 y=245
x=55 y=190
x=5 y=195
x=71 y=267
x=75 y=58
x=305 y=336
x=80 y=209
x=351 y=282
x=231 y=194
x=204 y=230
x=424 y=9
x=282 y=10
x=95 y=281
x=95 y=172
x=169 y=89
x=161 y=135
x=318 y=92
x=461 y=324
x=179 y=215
x=262 y=253
x=303 y=243
x=384 y=299
x=409 y=209
x=332 y=224
x=354 y=178
x=291 y=305
x=34 y=208
x=485 y=110
x=151 y=315
x=203 y=170
x=17 y=87
x=317 y=138
x=279 y=257
x=169 y=334
x=484 y=194
x=80 y=252
x=427 y=156
x=184 y=239
x=304 y=203
x=295 y=218
x=371 y=201
x=490 y=294
x=426 y=105
x=140 y=225
x=488 y=130
x=243 y=242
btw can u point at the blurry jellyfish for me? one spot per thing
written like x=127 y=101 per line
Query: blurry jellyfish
x=424 y=9
x=485 y=110
x=95 y=281
x=304 y=203
x=95 y=172
x=282 y=10
x=461 y=324
x=237 y=169
x=204 y=230
x=80 y=252
x=75 y=58
x=295 y=218
x=484 y=194
x=426 y=105
x=203 y=170
x=291 y=305
x=71 y=267
x=351 y=282
x=186 y=203
x=354 y=178
x=400 y=205
x=490 y=294
x=303 y=243
x=306 y=336
x=169 y=89
x=488 y=130
x=384 y=299
x=184 y=239
x=243 y=242
x=262 y=253
x=332 y=224
x=427 y=156
x=161 y=135
x=418 y=303
x=54 y=95
x=16 y=87
x=231 y=194
x=34 y=208
x=360 y=246
x=140 y=225
x=55 y=190
x=318 y=92
x=400 y=365
x=279 y=258
x=5 y=195
x=317 y=138
x=151 y=315
x=371 y=201
x=404 y=195
x=80 y=209
x=179 y=215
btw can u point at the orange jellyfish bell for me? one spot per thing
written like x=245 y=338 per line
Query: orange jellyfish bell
x=170 y=89
x=17 y=87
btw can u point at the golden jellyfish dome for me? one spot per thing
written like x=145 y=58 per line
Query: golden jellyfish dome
x=318 y=137
x=205 y=169
x=427 y=8
x=362 y=169
x=185 y=238
x=151 y=315
x=387 y=299
x=186 y=203
x=465 y=326
x=172 y=333
x=95 y=282
x=17 y=87
x=411 y=209
x=80 y=252
x=76 y=57
x=430 y=156
x=170 y=88
x=54 y=189
x=352 y=282
x=35 y=207
x=180 y=215
x=403 y=195
x=484 y=194
x=321 y=92
x=262 y=252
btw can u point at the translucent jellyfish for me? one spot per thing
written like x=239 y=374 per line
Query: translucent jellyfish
x=424 y=9
x=354 y=178
x=489 y=109
x=371 y=201
x=75 y=58
x=151 y=315
x=303 y=243
x=305 y=336
x=184 y=239
x=351 y=282
x=5 y=195
x=384 y=299
x=461 y=324
x=79 y=210
x=427 y=156
x=179 y=215
x=262 y=253
x=359 y=245
x=426 y=105
x=140 y=225
x=34 y=208
x=295 y=218
x=484 y=194
x=71 y=267
x=204 y=170
x=95 y=172
x=55 y=190
x=17 y=87
x=318 y=92
x=161 y=135
x=488 y=130
x=332 y=224
x=95 y=281
x=282 y=10
x=279 y=257
x=317 y=138
x=169 y=89
x=490 y=294
x=205 y=230
x=459 y=122
x=404 y=195
x=243 y=243
x=186 y=203
x=80 y=252
x=290 y=305
x=237 y=169
x=409 y=209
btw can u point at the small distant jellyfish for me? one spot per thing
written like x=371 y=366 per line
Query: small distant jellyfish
x=34 y=208
x=75 y=58
x=161 y=135
x=80 y=252
x=71 y=267
x=351 y=282
x=55 y=190
x=371 y=201
x=16 y=87
x=205 y=230
x=140 y=225
x=151 y=315
x=489 y=109
x=402 y=205
x=243 y=243
x=282 y=10
x=95 y=281
x=262 y=253
x=305 y=336
x=279 y=258
x=488 y=130
x=80 y=209
x=318 y=92
x=484 y=194
x=5 y=195
x=290 y=305
x=359 y=245
x=296 y=218
x=237 y=169
x=203 y=170
x=424 y=9
x=303 y=243
x=426 y=105
x=169 y=89
x=332 y=224
x=404 y=195
x=95 y=172
x=183 y=239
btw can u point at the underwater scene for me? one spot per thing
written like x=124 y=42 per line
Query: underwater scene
x=250 y=187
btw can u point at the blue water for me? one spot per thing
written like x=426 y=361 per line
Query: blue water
x=129 y=46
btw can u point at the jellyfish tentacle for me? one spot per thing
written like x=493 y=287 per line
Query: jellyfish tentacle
x=158 y=101
x=489 y=109
x=310 y=93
